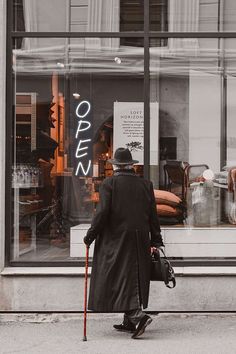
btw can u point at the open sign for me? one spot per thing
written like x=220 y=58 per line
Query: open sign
x=83 y=139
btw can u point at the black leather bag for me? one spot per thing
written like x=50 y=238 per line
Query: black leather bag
x=161 y=270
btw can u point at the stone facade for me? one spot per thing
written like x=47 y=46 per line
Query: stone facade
x=2 y=125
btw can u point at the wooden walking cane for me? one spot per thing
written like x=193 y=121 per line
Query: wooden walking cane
x=85 y=294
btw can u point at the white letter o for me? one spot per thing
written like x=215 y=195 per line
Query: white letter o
x=78 y=107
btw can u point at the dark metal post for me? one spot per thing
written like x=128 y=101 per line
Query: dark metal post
x=86 y=294
x=146 y=94
x=9 y=114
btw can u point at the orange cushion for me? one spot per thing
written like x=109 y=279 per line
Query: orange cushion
x=167 y=210
x=168 y=198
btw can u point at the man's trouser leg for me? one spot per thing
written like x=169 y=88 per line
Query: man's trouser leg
x=134 y=316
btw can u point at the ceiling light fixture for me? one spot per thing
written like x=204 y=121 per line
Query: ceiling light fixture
x=60 y=65
x=76 y=95
x=117 y=60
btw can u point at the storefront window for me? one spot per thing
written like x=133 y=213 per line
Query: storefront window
x=75 y=102
x=192 y=84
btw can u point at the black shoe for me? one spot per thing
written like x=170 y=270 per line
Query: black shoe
x=125 y=327
x=144 y=322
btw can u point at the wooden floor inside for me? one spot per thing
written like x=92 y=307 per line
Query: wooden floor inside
x=47 y=251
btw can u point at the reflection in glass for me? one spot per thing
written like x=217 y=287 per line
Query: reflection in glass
x=123 y=15
x=192 y=15
x=78 y=15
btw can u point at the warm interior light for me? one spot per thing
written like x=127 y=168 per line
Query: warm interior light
x=60 y=65
x=117 y=60
x=76 y=95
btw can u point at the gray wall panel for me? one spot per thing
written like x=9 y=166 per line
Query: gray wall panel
x=65 y=293
x=2 y=125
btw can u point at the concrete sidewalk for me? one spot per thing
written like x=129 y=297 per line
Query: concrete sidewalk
x=168 y=333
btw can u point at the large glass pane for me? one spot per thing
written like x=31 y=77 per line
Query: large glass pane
x=192 y=92
x=75 y=102
x=78 y=15
x=192 y=15
x=229 y=75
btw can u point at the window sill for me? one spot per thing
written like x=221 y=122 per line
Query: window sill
x=71 y=271
x=79 y=271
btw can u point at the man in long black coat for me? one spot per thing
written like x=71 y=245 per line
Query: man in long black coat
x=126 y=228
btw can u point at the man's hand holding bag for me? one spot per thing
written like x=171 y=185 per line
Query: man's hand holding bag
x=161 y=269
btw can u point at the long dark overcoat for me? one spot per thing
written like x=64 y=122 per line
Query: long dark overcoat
x=125 y=226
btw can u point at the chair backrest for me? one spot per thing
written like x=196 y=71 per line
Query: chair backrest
x=175 y=171
x=175 y=174
x=193 y=172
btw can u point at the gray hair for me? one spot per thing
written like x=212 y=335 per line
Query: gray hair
x=123 y=167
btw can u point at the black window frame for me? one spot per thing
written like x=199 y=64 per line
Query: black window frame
x=147 y=35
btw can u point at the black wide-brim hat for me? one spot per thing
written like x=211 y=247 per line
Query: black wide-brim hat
x=122 y=156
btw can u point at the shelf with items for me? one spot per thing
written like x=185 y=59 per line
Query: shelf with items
x=26 y=176
x=25 y=112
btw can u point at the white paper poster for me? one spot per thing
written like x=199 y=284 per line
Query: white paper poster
x=129 y=129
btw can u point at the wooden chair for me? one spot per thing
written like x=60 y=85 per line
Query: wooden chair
x=174 y=172
x=193 y=173
x=182 y=174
